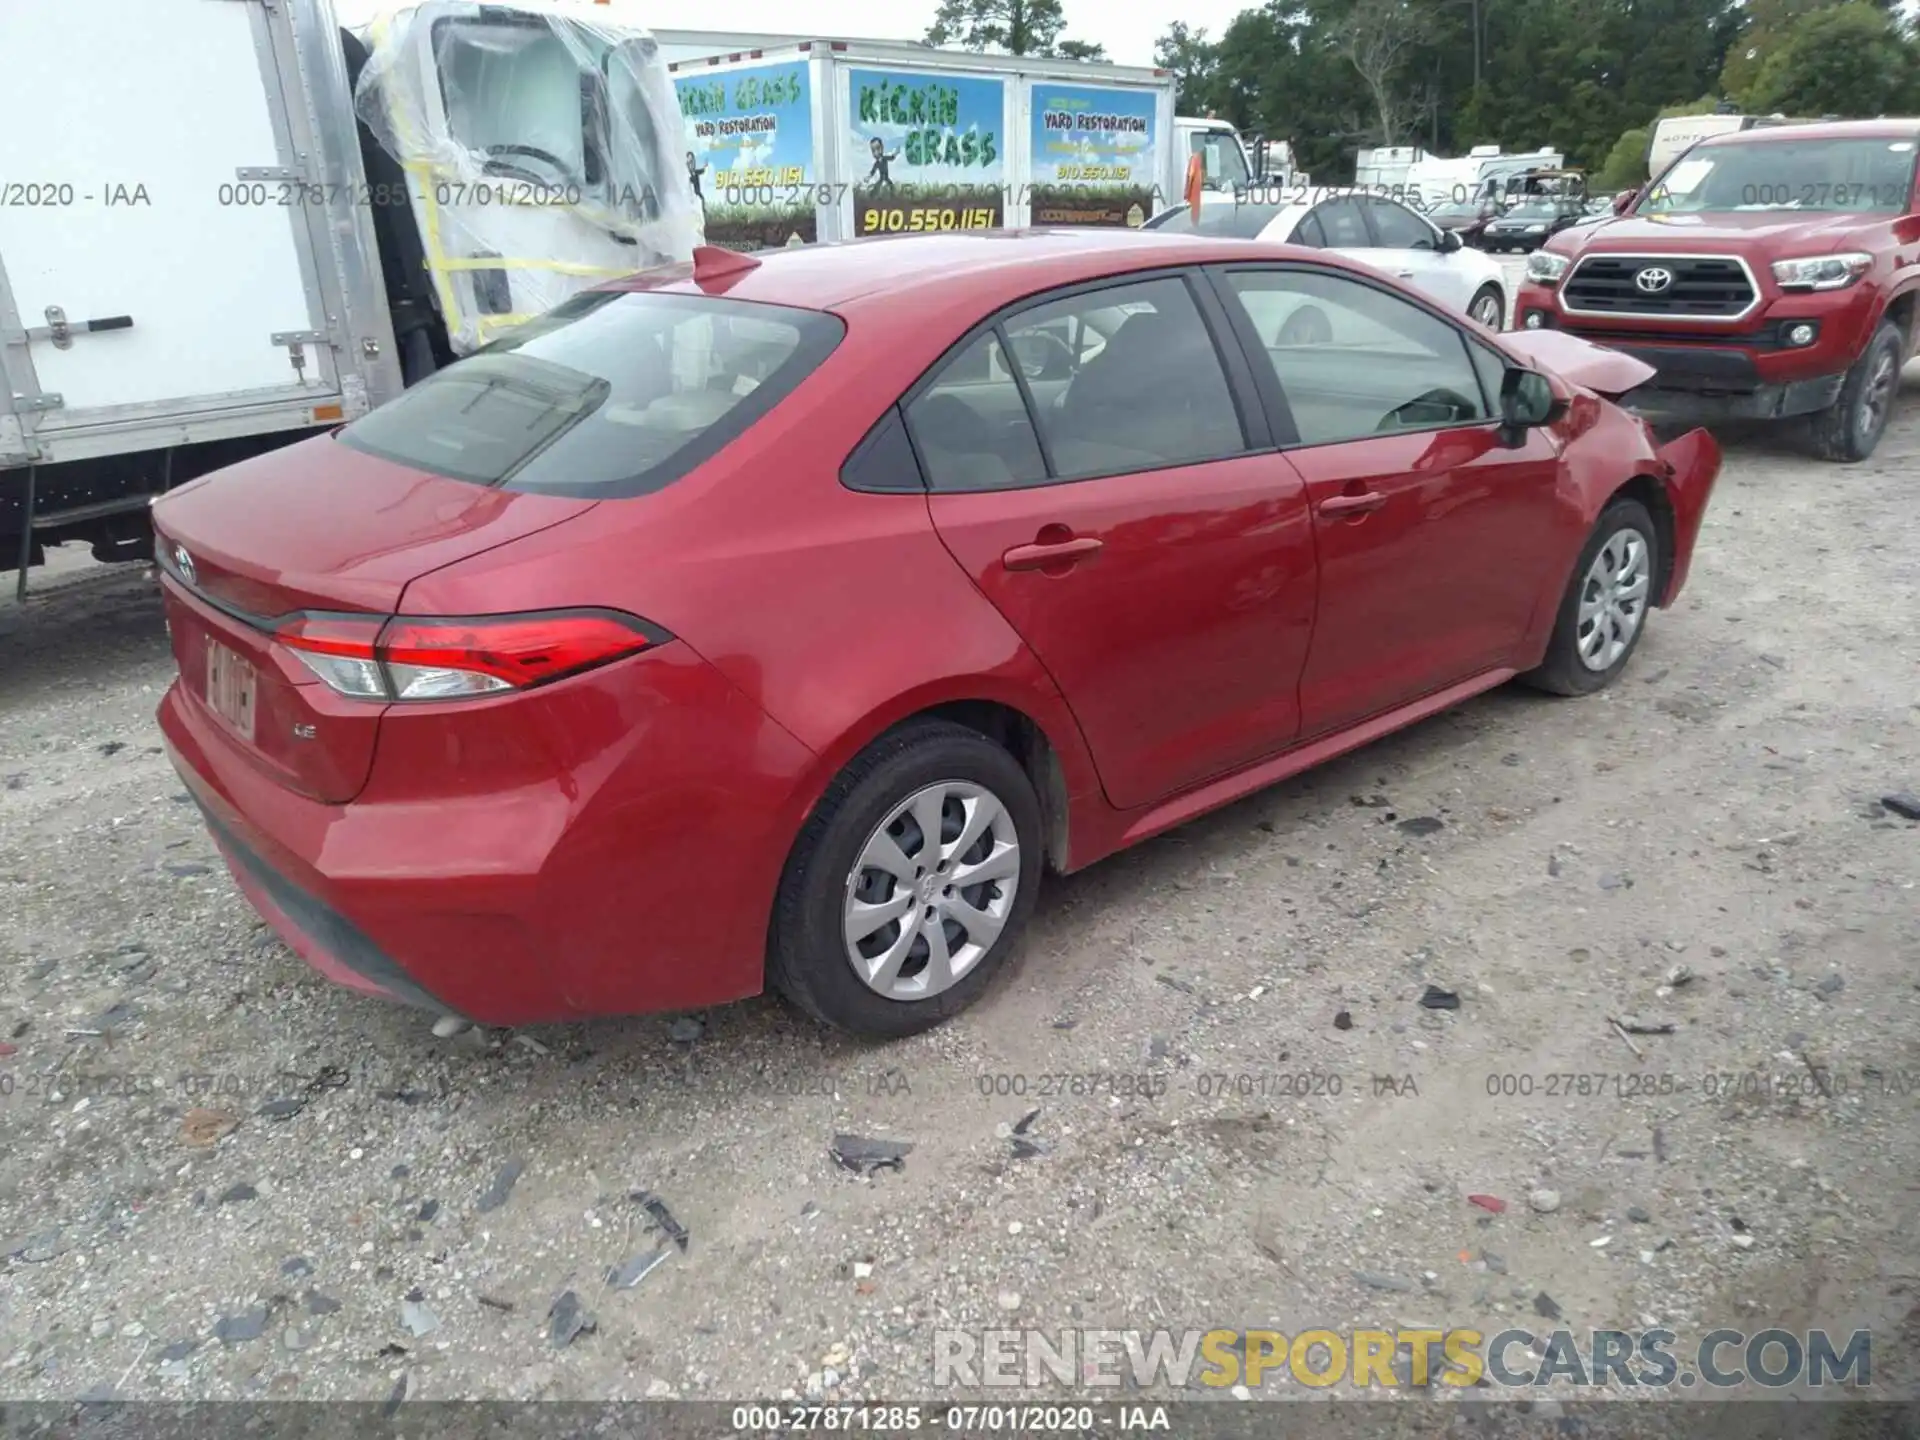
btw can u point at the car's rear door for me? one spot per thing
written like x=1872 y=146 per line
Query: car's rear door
x=1428 y=529
x=1134 y=525
x=1409 y=249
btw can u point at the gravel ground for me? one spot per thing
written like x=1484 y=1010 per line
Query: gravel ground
x=390 y=1205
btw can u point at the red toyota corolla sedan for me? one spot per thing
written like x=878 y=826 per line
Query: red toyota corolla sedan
x=779 y=619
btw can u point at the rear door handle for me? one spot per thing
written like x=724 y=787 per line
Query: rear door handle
x=1353 y=504
x=1045 y=556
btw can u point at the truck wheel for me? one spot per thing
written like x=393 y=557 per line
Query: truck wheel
x=1849 y=429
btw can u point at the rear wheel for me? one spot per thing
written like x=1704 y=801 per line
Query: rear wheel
x=1604 y=611
x=910 y=884
x=1488 y=307
x=1850 y=429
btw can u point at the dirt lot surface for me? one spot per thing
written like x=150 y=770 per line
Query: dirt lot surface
x=1246 y=1116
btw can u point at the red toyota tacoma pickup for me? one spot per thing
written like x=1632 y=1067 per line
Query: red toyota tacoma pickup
x=1763 y=274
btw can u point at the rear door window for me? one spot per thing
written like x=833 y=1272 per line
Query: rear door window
x=1344 y=224
x=610 y=394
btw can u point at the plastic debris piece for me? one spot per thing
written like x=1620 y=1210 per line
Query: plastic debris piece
x=207 y=1127
x=238 y=1329
x=1902 y=803
x=1422 y=825
x=864 y=1155
x=631 y=1273
x=569 y=1319
x=1343 y=1020
x=495 y=1195
x=1438 y=999
x=1383 y=1282
x=418 y=1319
x=662 y=1217
x=1636 y=1025
x=1488 y=1202
x=1543 y=1304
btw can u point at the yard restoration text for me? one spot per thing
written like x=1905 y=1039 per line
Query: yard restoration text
x=1397 y=1359
x=1071 y=120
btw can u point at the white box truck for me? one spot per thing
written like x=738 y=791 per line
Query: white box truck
x=261 y=223
x=791 y=139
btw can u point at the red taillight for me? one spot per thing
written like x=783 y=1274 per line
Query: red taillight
x=410 y=657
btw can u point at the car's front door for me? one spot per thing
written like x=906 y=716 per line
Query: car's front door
x=1133 y=524
x=1429 y=529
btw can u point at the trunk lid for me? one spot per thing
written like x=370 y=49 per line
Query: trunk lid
x=314 y=526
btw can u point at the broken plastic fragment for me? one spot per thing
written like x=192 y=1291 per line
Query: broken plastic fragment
x=625 y=1277
x=864 y=1155
x=569 y=1319
x=1438 y=999
x=663 y=1220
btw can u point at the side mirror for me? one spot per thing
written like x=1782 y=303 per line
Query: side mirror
x=1449 y=241
x=1527 y=402
x=1623 y=202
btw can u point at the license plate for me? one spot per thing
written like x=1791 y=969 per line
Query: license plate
x=230 y=685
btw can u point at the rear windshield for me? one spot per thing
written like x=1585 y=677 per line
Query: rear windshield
x=612 y=393
x=1836 y=176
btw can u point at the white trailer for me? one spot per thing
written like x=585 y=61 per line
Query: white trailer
x=1482 y=173
x=145 y=302
x=264 y=223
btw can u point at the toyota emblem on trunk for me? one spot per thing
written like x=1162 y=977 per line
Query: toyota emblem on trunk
x=184 y=562
x=1654 y=279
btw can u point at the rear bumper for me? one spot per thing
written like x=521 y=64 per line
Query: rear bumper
x=615 y=852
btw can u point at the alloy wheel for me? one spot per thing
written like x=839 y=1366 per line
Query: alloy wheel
x=1876 y=396
x=931 y=890
x=1613 y=599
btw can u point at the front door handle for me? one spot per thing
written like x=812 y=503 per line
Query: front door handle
x=1056 y=555
x=1353 y=504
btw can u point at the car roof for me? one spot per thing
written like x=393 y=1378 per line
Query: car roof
x=991 y=267
x=1883 y=129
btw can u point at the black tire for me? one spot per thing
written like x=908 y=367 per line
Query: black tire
x=807 y=958
x=1489 y=292
x=1563 y=672
x=1849 y=430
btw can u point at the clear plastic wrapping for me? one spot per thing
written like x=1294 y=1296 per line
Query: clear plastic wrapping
x=542 y=152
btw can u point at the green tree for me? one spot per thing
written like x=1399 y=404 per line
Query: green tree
x=1080 y=50
x=1193 y=61
x=1846 y=60
x=1013 y=27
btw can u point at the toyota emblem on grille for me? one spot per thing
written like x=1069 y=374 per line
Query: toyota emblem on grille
x=184 y=563
x=1653 y=279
